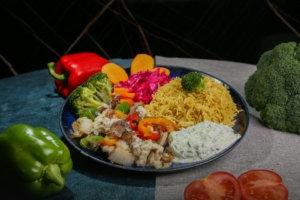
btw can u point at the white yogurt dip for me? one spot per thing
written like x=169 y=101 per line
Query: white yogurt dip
x=201 y=141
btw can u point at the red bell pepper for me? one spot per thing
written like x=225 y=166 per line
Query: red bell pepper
x=74 y=69
x=147 y=125
x=132 y=120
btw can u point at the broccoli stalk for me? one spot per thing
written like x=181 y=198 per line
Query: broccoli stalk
x=93 y=94
x=193 y=82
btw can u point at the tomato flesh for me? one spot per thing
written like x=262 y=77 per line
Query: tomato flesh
x=217 y=186
x=262 y=184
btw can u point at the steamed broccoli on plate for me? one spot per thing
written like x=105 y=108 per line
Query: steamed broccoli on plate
x=93 y=94
x=193 y=82
x=274 y=88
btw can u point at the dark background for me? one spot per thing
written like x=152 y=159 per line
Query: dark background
x=36 y=32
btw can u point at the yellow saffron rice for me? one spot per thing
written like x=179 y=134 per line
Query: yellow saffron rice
x=185 y=109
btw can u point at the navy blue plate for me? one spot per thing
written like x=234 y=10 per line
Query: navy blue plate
x=241 y=126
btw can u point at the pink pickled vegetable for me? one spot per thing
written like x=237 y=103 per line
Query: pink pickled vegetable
x=144 y=84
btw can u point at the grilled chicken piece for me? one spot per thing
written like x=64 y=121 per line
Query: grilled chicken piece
x=128 y=137
x=118 y=128
x=114 y=101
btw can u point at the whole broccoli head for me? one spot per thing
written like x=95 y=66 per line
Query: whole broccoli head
x=193 y=82
x=93 y=94
x=274 y=89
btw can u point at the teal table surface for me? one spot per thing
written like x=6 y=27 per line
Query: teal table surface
x=30 y=98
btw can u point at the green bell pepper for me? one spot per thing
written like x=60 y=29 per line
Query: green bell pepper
x=34 y=159
x=90 y=113
x=123 y=107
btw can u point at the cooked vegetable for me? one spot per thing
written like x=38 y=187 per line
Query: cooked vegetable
x=274 y=89
x=90 y=113
x=153 y=136
x=74 y=69
x=109 y=141
x=33 y=160
x=93 y=94
x=217 y=185
x=123 y=107
x=82 y=126
x=125 y=95
x=121 y=157
x=193 y=82
x=120 y=114
x=128 y=100
x=100 y=84
x=145 y=126
x=91 y=142
x=141 y=62
x=163 y=140
x=121 y=90
x=83 y=98
x=262 y=184
x=132 y=120
x=114 y=72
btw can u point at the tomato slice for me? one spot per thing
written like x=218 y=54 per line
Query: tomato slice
x=216 y=186
x=262 y=184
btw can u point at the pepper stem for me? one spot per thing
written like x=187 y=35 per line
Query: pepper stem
x=52 y=175
x=51 y=71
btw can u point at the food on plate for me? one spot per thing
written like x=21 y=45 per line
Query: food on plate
x=217 y=185
x=150 y=120
x=201 y=141
x=147 y=125
x=114 y=72
x=161 y=70
x=90 y=113
x=122 y=141
x=93 y=94
x=144 y=84
x=123 y=107
x=193 y=82
x=133 y=136
x=262 y=184
x=273 y=89
x=141 y=62
x=33 y=160
x=213 y=104
x=124 y=96
x=72 y=70
x=91 y=142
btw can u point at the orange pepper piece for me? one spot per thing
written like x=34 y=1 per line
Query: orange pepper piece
x=143 y=128
x=109 y=141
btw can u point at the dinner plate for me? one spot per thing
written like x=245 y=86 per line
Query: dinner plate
x=240 y=127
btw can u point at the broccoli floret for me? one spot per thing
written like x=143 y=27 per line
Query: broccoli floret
x=193 y=82
x=83 y=98
x=93 y=94
x=274 y=89
x=101 y=85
